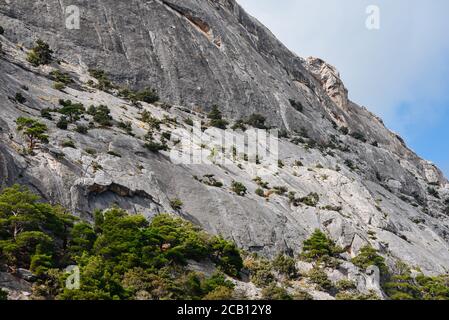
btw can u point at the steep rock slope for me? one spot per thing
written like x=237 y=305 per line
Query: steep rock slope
x=371 y=187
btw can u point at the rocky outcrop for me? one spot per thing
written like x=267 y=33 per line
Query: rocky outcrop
x=371 y=188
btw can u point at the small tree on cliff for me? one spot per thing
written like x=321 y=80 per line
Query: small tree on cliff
x=33 y=130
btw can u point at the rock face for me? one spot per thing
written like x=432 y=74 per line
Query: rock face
x=371 y=187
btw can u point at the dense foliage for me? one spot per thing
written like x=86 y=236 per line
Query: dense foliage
x=120 y=256
x=319 y=248
x=41 y=54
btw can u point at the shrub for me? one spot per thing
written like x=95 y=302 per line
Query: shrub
x=302 y=296
x=90 y=151
x=45 y=113
x=347 y=296
x=261 y=183
x=346 y=285
x=273 y=292
x=220 y=294
x=433 y=192
x=69 y=144
x=285 y=265
x=188 y=122
x=62 y=123
x=72 y=111
x=101 y=115
x=319 y=277
x=260 y=272
x=311 y=200
x=20 y=98
x=358 y=136
x=257 y=121
x=210 y=180
x=369 y=256
x=350 y=164
x=216 y=118
x=103 y=81
x=154 y=123
x=227 y=256
x=176 y=204
x=260 y=192
x=3 y=294
x=2 y=30
x=344 y=130
x=61 y=77
x=319 y=247
x=281 y=164
x=127 y=126
x=82 y=129
x=280 y=190
x=239 y=125
x=238 y=188
x=33 y=130
x=156 y=146
x=41 y=54
x=59 y=86
x=147 y=95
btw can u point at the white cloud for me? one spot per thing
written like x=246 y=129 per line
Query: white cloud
x=403 y=62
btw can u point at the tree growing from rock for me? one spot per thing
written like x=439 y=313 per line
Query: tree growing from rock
x=41 y=54
x=33 y=130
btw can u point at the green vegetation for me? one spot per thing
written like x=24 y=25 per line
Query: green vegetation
x=210 y=180
x=257 y=121
x=20 y=98
x=286 y=266
x=148 y=95
x=261 y=273
x=62 y=123
x=126 y=126
x=120 y=256
x=103 y=81
x=154 y=123
x=319 y=248
x=101 y=115
x=33 y=130
x=274 y=292
x=433 y=192
x=72 y=111
x=350 y=164
x=368 y=257
x=155 y=147
x=176 y=204
x=239 y=188
x=358 y=136
x=239 y=125
x=61 y=77
x=3 y=295
x=319 y=277
x=260 y=192
x=344 y=130
x=82 y=129
x=311 y=200
x=216 y=118
x=46 y=114
x=68 y=144
x=2 y=30
x=403 y=286
x=41 y=54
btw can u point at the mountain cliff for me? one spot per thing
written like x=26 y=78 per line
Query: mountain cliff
x=366 y=185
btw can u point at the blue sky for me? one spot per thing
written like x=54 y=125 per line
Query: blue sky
x=400 y=72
